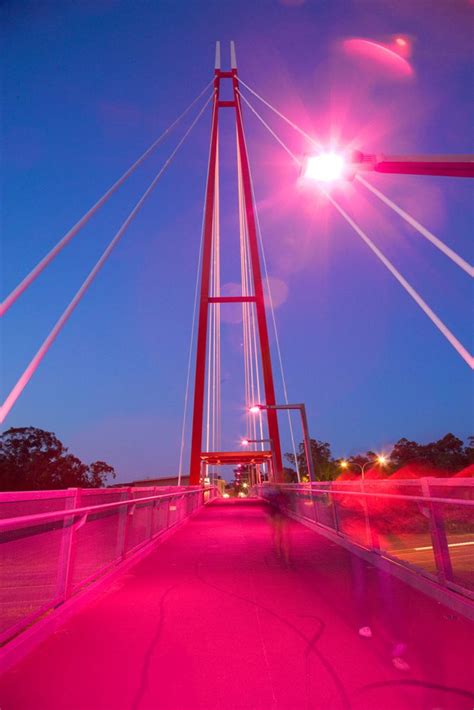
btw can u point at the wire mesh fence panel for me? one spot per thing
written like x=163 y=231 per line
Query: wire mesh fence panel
x=70 y=538
x=138 y=526
x=351 y=513
x=173 y=512
x=325 y=511
x=19 y=503
x=305 y=505
x=458 y=524
x=29 y=564
x=94 y=546
x=160 y=516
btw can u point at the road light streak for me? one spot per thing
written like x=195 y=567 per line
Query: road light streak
x=452 y=544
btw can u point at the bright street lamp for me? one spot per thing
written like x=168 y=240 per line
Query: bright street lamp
x=255 y=408
x=330 y=166
x=381 y=460
x=324 y=167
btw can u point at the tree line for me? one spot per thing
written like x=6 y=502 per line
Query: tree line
x=447 y=455
x=32 y=459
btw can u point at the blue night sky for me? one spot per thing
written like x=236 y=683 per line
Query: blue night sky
x=89 y=85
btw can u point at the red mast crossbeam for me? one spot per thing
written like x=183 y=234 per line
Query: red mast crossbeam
x=205 y=299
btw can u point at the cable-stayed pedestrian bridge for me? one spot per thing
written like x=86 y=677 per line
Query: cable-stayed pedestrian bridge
x=308 y=595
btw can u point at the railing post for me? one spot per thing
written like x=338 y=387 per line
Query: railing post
x=372 y=537
x=122 y=526
x=168 y=513
x=155 y=509
x=149 y=531
x=67 y=549
x=314 y=497
x=334 y=509
x=438 y=536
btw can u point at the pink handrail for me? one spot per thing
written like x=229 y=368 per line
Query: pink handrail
x=28 y=520
x=393 y=496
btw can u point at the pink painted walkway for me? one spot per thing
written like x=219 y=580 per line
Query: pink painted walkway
x=214 y=620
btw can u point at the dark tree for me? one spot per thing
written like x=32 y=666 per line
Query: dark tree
x=469 y=450
x=324 y=465
x=33 y=459
x=448 y=453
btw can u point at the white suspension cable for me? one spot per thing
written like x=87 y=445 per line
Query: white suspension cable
x=457 y=345
x=29 y=371
x=248 y=377
x=28 y=280
x=277 y=138
x=281 y=115
x=272 y=309
x=191 y=339
x=256 y=395
x=460 y=349
x=213 y=370
x=447 y=251
x=217 y=310
x=277 y=339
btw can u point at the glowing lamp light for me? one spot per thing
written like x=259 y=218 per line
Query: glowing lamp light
x=382 y=460
x=344 y=464
x=401 y=42
x=324 y=167
x=254 y=409
x=245 y=442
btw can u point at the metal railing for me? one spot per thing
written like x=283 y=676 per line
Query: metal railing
x=47 y=557
x=426 y=525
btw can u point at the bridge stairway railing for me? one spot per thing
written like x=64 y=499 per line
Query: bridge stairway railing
x=424 y=525
x=73 y=538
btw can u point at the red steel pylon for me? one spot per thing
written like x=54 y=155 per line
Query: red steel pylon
x=206 y=300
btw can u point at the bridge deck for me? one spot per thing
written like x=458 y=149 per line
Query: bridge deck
x=214 y=619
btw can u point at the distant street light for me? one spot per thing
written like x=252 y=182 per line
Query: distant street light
x=255 y=408
x=381 y=460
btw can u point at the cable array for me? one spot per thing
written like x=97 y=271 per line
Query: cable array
x=36 y=271
x=451 y=338
x=270 y=297
x=213 y=409
x=191 y=338
x=254 y=422
x=36 y=360
x=447 y=251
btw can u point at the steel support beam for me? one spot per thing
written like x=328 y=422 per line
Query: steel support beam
x=206 y=300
